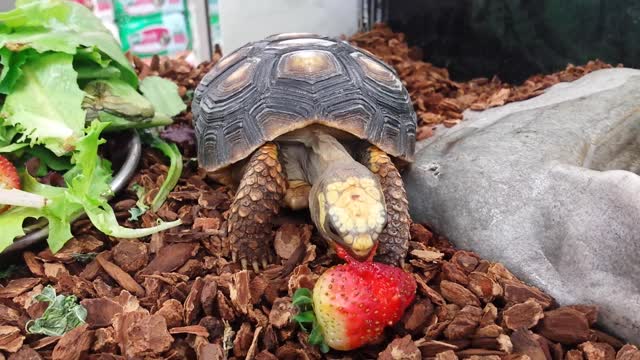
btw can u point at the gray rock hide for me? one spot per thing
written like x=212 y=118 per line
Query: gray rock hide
x=550 y=188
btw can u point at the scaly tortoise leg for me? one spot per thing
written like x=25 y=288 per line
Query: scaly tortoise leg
x=393 y=242
x=257 y=201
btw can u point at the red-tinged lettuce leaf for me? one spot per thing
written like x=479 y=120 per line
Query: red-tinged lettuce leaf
x=182 y=134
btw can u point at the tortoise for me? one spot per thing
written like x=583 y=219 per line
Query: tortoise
x=308 y=121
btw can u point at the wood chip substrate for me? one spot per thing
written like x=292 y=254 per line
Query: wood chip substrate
x=176 y=295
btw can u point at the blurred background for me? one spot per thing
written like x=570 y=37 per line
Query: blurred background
x=471 y=38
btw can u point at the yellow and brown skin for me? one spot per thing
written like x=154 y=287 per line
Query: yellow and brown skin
x=257 y=201
x=347 y=206
x=357 y=206
x=297 y=195
x=282 y=87
x=394 y=239
x=345 y=199
x=364 y=209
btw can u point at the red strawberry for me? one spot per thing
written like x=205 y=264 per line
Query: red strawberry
x=354 y=302
x=9 y=178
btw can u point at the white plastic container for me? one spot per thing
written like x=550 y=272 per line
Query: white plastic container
x=242 y=21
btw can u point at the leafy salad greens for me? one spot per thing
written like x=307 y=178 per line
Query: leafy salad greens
x=62 y=315
x=64 y=81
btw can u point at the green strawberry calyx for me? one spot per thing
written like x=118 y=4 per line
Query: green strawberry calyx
x=302 y=300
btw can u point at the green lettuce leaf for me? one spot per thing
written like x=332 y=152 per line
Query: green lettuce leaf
x=26 y=14
x=62 y=315
x=116 y=102
x=60 y=69
x=11 y=68
x=61 y=26
x=116 y=97
x=46 y=103
x=11 y=222
x=91 y=64
x=7 y=133
x=140 y=207
x=91 y=55
x=171 y=180
x=90 y=71
x=12 y=147
x=88 y=190
x=117 y=123
x=104 y=219
x=163 y=94
x=57 y=163
x=173 y=174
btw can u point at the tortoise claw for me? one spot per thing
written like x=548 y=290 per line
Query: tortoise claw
x=264 y=263
x=243 y=261
x=256 y=267
x=234 y=256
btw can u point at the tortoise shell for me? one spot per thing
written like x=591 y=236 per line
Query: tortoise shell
x=288 y=81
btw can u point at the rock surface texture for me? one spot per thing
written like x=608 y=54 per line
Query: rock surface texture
x=549 y=187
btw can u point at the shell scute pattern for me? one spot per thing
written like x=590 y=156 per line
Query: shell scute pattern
x=311 y=66
x=374 y=70
x=288 y=81
x=222 y=65
x=236 y=80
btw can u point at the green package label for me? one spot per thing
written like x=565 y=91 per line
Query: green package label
x=134 y=8
x=157 y=34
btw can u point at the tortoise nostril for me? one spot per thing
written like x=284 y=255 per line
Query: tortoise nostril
x=355 y=197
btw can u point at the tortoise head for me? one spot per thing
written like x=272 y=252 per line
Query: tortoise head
x=348 y=208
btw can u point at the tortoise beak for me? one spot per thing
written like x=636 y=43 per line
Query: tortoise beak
x=348 y=254
x=362 y=255
x=362 y=245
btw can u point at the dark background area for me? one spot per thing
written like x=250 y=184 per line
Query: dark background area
x=515 y=38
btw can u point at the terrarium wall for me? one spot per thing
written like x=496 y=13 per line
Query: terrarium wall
x=6 y=5
x=242 y=21
x=517 y=38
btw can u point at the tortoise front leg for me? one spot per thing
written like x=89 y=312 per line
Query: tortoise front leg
x=394 y=239
x=257 y=201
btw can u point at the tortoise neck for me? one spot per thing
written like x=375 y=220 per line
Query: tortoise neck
x=321 y=153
